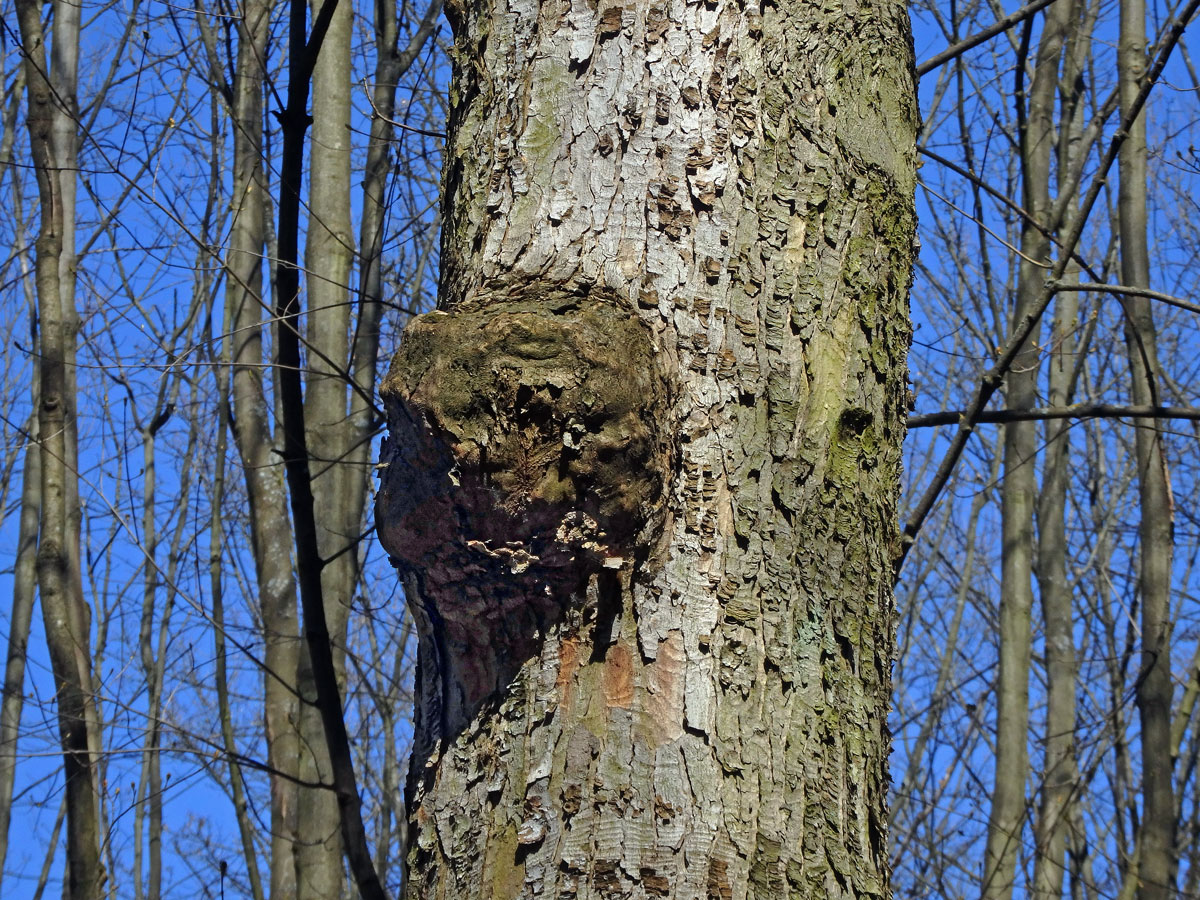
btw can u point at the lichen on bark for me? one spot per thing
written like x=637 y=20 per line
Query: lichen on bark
x=708 y=722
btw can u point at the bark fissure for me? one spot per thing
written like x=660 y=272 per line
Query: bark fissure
x=706 y=717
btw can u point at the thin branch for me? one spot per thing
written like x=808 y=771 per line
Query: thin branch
x=990 y=382
x=1044 y=413
x=979 y=37
x=1128 y=291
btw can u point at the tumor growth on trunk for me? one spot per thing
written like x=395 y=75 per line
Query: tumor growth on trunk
x=531 y=445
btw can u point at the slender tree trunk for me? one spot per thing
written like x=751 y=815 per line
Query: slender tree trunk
x=25 y=566
x=1059 y=769
x=1155 y=854
x=19 y=621
x=341 y=372
x=270 y=528
x=1018 y=488
x=304 y=49
x=65 y=614
x=216 y=541
x=329 y=257
x=1055 y=830
x=149 y=795
x=643 y=461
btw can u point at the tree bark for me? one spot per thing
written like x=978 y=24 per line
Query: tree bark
x=65 y=614
x=1007 y=818
x=269 y=524
x=338 y=496
x=1153 y=869
x=19 y=621
x=216 y=543
x=1055 y=831
x=24 y=586
x=642 y=472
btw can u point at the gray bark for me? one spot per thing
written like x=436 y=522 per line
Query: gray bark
x=25 y=567
x=20 y=618
x=65 y=614
x=642 y=475
x=216 y=542
x=336 y=485
x=270 y=528
x=1007 y=818
x=1153 y=869
x=1056 y=830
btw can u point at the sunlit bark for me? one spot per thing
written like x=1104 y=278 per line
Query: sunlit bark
x=1154 y=868
x=1008 y=813
x=65 y=614
x=252 y=418
x=643 y=462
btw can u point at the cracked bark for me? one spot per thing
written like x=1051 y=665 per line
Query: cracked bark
x=641 y=481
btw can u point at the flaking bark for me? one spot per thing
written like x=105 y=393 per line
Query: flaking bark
x=690 y=701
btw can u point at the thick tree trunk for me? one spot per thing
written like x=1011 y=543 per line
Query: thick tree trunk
x=643 y=461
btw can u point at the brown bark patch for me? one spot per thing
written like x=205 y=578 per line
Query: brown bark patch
x=664 y=680
x=568 y=664
x=719 y=887
x=618 y=678
x=656 y=885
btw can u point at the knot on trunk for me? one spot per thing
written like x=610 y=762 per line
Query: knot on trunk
x=530 y=445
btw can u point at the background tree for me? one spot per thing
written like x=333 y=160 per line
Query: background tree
x=1083 y=807
x=163 y=378
x=185 y=565
x=50 y=81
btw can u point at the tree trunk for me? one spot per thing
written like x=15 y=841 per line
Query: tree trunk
x=20 y=618
x=642 y=473
x=24 y=583
x=337 y=487
x=1055 y=835
x=216 y=543
x=65 y=614
x=1007 y=818
x=270 y=528
x=1153 y=870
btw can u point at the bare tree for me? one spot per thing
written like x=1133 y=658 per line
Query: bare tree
x=1153 y=869
x=52 y=137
